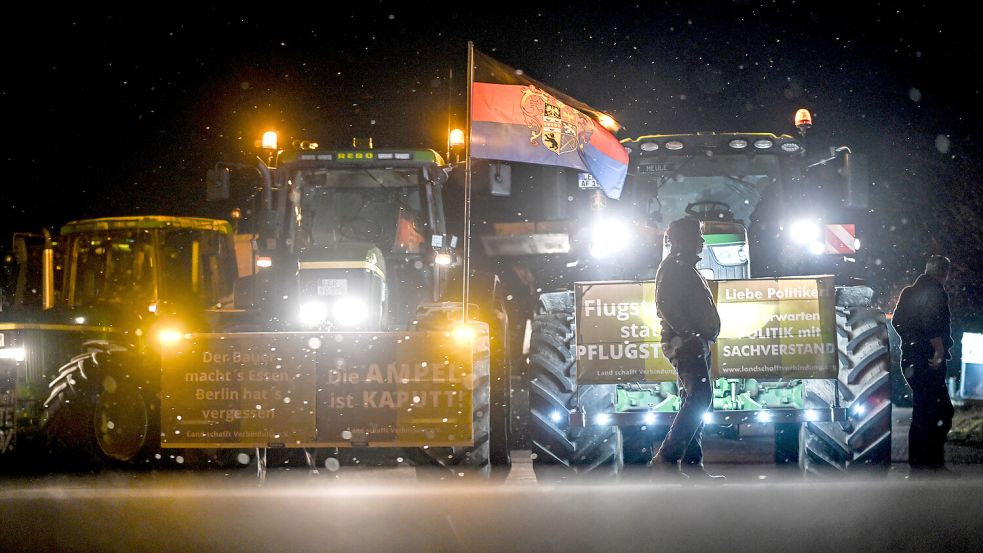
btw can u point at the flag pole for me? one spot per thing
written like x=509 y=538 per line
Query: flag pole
x=450 y=104
x=465 y=292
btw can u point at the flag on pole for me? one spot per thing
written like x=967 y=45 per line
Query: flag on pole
x=514 y=118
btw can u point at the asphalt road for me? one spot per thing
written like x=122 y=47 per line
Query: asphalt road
x=387 y=510
x=762 y=508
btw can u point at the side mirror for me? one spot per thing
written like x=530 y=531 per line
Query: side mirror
x=500 y=179
x=438 y=176
x=217 y=184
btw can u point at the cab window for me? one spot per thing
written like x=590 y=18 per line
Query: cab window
x=197 y=267
x=113 y=267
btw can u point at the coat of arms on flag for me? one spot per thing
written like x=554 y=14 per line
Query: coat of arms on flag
x=560 y=128
x=514 y=118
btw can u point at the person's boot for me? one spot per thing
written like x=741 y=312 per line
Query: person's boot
x=662 y=472
x=696 y=474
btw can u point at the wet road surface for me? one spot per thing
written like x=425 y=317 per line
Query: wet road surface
x=762 y=508
x=388 y=510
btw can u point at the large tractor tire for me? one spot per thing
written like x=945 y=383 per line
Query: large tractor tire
x=559 y=451
x=450 y=463
x=863 y=442
x=487 y=301
x=101 y=410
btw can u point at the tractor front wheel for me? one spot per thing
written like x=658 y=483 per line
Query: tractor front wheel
x=559 y=451
x=863 y=441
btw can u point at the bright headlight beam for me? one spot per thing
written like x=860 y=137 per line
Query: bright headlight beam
x=804 y=232
x=169 y=336
x=349 y=311
x=15 y=354
x=443 y=259
x=313 y=313
x=463 y=333
x=608 y=237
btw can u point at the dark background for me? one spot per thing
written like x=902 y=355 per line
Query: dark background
x=124 y=112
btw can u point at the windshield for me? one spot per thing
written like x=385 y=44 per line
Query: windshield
x=383 y=207
x=675 y=182
x=196 y=267
x=112 y=267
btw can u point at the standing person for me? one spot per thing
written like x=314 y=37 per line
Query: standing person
x=922 y=321
x=689 y=323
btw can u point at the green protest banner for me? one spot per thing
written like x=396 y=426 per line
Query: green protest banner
x=770 y=328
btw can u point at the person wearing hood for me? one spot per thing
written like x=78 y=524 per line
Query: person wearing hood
x=689 y=324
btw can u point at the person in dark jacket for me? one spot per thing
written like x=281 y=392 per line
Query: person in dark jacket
x=922 y=321
x=689 y=323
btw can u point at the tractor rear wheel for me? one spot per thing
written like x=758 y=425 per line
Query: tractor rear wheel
x=559 y=451
x=862 y=443
x=120 y=420
x=99 y=411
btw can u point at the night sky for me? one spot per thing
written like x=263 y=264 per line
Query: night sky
x=109 y=114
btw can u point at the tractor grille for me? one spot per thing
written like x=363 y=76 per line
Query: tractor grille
x=722 y=272
x=33 y=365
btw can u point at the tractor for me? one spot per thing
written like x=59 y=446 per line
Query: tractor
x=80 y=348
x=591 y=412
x=351 y=250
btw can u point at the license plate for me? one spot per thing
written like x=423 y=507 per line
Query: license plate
x=587 y=180
x=332 y=287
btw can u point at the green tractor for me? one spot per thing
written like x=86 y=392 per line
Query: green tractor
x=808 y=355
x=353 y=252
x=80 y=350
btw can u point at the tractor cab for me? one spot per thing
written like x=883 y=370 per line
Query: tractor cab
x=727 y=181
x=145 y=265
x=352 y=239
x=367 y=230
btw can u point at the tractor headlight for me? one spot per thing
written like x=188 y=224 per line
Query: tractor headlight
x=730 y=255
x=14 y=354
x=608 y=238
x=169 y=336
x=602 y=419
x=349 y=311
x=804 y=232
x=313 y=313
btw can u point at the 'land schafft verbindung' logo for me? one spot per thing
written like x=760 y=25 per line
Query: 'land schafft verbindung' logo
x=559 y=127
